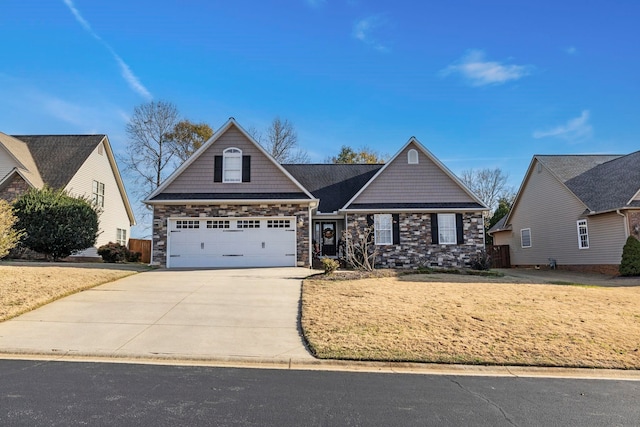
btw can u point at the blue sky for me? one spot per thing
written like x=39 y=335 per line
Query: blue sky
x=479 y=83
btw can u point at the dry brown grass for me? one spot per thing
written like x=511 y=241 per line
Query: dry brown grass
x=28 y=286
x=425 y=319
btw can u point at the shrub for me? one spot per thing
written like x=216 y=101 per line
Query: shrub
x=55 y=223
x=133 y=256
x=113 y=252
x=9 y=237
x=630 y=264
x=482 y=261
x=330 y=265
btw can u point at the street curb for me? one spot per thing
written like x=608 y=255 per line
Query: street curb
x=301 y=364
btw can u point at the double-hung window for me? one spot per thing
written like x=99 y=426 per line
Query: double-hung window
x=583 y=234
x=121 y=236
x=98 y=194
x=525 y=237
x=232 y=165
x=383 y=226
x=447 y=229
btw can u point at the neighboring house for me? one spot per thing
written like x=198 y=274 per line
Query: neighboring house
x=575 y=211
x=83 y=165
x=232 y=205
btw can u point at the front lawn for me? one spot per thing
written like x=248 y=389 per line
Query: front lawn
x=472 y=320
x=25 y=286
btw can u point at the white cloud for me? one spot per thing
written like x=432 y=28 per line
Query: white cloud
x=131 y=79
x=364 y=29
x=571 y=50
x=574 y=130
x=479 y=72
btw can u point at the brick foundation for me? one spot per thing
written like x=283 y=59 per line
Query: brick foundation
x=606 y=269
x=162 y=212
x=415 y=249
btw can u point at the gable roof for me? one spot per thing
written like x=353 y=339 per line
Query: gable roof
x=51 y=151
x=26 y=165
x=43 y=156
x=158 y=194
x=602 y=182
x=333 y=184
x=476 y=204
x=610 y=185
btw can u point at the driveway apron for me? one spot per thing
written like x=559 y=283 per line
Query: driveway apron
x=245 y=314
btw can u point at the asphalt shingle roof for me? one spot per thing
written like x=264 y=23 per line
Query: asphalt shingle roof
x=609 y=185
x=58 y=157
x=333 y=184
x=566 y=167
x=231 y=196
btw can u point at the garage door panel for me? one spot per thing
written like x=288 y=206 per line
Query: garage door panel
x=256 y=244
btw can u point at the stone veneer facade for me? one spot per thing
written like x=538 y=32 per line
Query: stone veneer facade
x=161 y=213
x=14 y=188
x=634 y=223
x=415 y=249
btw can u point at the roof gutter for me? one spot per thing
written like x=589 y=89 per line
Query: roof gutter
x=312 y=203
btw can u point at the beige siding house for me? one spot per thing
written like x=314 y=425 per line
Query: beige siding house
x=573 y=211
x=232 y=205
x=84 y=165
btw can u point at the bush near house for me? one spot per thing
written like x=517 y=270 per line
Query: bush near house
x=9 y=237
x=630 y=264
x=55 y=223
x=115 y=252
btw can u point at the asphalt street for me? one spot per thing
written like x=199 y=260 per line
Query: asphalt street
x=45 y=393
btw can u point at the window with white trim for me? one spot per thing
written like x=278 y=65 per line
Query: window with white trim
x=525 y=237
x=447 y=229
x=412 y=157
x=98 y=194
x=583 y=234
x=121 y=236
x=232 y=165
x=383 y=229
x=187 y=223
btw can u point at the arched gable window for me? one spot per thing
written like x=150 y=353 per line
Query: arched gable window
x=232 y=165
x=412 y=157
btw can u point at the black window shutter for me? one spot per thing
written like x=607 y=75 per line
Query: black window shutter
x=217 y=169
x=459 y=229
x=370 y=226
x=434 y=228
x=396 y=229
x=246 y=168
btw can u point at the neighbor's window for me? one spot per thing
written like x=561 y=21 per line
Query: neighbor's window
x=98 y=194
x=525 y=237
x=583 y=234
x=412 y=157
x=447 y=229
x=121 y=236
x=383 y=226
x=232 y=165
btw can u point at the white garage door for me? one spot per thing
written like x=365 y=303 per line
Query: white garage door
x=232 y=242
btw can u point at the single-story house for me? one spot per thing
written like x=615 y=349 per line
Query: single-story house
x=573 y=211
x=232 y=205
x=83 y=165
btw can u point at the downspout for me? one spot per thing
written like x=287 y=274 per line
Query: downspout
x=626 y=223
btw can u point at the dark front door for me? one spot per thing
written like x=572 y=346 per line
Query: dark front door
x=328 y=238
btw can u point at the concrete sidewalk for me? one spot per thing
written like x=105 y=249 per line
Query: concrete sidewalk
x=248 y=314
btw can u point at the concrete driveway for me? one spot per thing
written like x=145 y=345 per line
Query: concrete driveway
x=247 y=314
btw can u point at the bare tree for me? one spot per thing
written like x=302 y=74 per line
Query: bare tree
x=186 y=137
x=360 y=251
x=150 y=152
x=490 y=185
x=281 y=141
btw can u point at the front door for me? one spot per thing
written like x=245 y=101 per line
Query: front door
x=328 y=238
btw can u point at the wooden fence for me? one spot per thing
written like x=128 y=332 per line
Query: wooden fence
x=142 y=246
x=499 y=256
